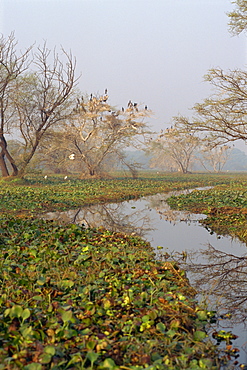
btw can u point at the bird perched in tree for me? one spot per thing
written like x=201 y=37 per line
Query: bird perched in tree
x=105 y=97
x=83 y=108
x=72 y=156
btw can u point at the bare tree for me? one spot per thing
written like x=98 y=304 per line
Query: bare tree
x=43 y=99
x=215 y=157
x=97 y=133
x=175 y=149
x=11 y=66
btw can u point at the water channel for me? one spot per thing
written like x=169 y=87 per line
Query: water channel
x=182 y=236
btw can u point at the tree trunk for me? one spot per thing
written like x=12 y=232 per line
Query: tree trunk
x=3 y=167
x=30 y=155
x=5 y=154
x=12 y=163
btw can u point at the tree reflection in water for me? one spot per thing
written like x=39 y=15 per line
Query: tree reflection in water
x=218 y=271
x=221 y=281
x=128 y=217
x=224 y=275
x=110 y=216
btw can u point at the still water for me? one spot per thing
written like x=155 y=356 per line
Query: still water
x=180 y=235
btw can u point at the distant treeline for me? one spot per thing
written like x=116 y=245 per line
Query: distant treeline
x=237 y=161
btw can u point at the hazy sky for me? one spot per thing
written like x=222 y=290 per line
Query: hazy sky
x=154 y=52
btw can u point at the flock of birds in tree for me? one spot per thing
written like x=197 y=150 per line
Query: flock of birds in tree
x=80 y=106
x=130 y=107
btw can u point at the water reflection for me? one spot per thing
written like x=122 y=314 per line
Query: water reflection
x=134 y=216
x=216 y=266
x=114 y=217
x=152 y=218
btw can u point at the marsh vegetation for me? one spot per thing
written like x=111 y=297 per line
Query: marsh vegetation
x=75 y=297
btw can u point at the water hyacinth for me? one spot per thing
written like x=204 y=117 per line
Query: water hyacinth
x=76 y=298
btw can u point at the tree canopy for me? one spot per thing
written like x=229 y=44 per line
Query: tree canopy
x=175 y=149
x=222 y=117
x=34 y=96
x=238 y=17
x=96 y=134
x=40 y=105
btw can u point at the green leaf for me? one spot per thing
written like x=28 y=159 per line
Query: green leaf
x=106 y=304
x=7 y=312
x=66 y=315
x=171 y=333
x=202 y=315
x=41 y=280
x=45 y=358
x=65 y=284
x=92 y=356
x=27 y=332
x=50 y=349
x=37 y=298
x=91 y=344
x=33 y=366
x=205 y=363
x=108 y=363
x=16 y=311
x=76 y=357
x=145 y=318
x=25 y=314
x=161 y=327
x=181 y=297
x=199 y=335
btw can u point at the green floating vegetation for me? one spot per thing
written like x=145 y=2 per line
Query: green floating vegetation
x=91 y=299
x=225 y=207
x=37 y=194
